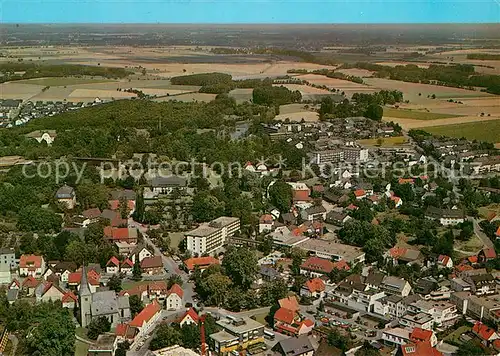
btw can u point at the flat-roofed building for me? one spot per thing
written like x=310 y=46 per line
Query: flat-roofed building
x=333 y=250
x=419 y=320
x=237 y=334
x=209 y=237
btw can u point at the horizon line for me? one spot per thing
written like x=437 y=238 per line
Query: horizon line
x=250 y=23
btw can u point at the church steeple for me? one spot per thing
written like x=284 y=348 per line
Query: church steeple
x=85 y=299
x=84 y=284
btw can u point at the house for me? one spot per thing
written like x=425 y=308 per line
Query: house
x=139 y=253
x=422 y=335
x=69 y=300
x=7 y=259
x=92 y=279
x=113 y=265
x=31 y=265
x=316 y=212
x=481 y=284
x=127 y=267
x=300 y=192
x=145 y=320
x=29 y=285
x=174 y=298
x=486 y=334
x=337 y=218
x=486 y=254
x=444 y=261
x=396 y=336
x=403 y=255
x=91 y=216
x=314 y=288
x=267 y=274
x=201 y=262
x=9 y=108
x=189 y=317
x=300 y=346
x=395 y=285
x=290 y=303
x=398 y=202
x=63 y=269
x=125 y=249
x=360 y=194
x=114 y=218
x=266 y=223
x=316 y=267
x=419 y=320
x=66 y=196
x=166 y=185
x=289 y=322
x=48 y=136
x=443 y=313
x=445 y=216
x=50 y=292
x=114 y=204
x=149 y=291
x=152 y=265
x=122 y=234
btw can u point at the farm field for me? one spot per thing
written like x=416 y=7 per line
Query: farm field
x=384 y=142
x=402 y=63
x=189 y=97
x=411 y=91
x=61 y=81
x=14 y=90
x=416 y=115
x=480 y=130
x=297 y=112
x=356 y=72
x=241 y=94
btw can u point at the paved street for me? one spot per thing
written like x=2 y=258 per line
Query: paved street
x=479 y=232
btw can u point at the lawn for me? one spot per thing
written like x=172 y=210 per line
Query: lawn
x=81 y=348
x=261 y=318
x=385 y=141
x=415 y=115
x=474 y=244
x=81 y=332
x=62 y=81
x=488 y=131
x=455 y=336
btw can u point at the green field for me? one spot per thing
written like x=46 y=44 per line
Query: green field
x=383 y=142
x=488 y=131
x=62 y=81
x=415 y=115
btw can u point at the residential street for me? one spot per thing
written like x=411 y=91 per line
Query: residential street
x=479 y=232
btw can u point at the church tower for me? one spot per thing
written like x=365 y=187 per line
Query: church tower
x=85 y=299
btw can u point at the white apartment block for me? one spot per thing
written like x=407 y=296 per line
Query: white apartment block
x=209 y=237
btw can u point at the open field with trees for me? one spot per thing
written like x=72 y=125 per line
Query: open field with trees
x=482 y=130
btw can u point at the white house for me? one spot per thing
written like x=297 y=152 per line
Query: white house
x=113 y=265
x=190 y=317
x=174 y=298
x=266 y=223
x=31 y=265
x=145 y=321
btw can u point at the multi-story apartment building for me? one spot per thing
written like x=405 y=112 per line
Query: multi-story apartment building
x=237 y=334
x=7 y=259
x=211 y=236
x=443 y=313
x=343 y=154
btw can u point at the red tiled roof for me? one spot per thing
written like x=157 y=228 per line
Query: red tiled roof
x=462 y=268
x=287 y=327
x=68 y=297
x=290 y=303
x=359 y=193
x=127 y=263
x=498 y=232
x=315 y=285
x=92 y=277
x=307 y=322
x=406 y=181
x=318 y=264
x=116 y=233
x=443 y=259
x=342 y=264
x=395 y=199
x=472 y=259
x=192 y=313
x=121 y=330
x=146 y=314
x=489 y=253
x=157 y=286
x=31 y=261
x=30 y=282
x=318 y=188
x=177 y=290
x=420 y=349
x=483 y=331
x=152 y=262
x=92 y=213
x=352 y=207
x=300 y=195
x=113 y=261
x=16 y=282
x=496 y=344
x=200 y=261
x=115 y=204
x=397 y=252
x=266 y=219
x=421 y=335
x=284 y=315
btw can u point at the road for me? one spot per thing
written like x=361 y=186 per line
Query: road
x=482 y=236
x=169 y=265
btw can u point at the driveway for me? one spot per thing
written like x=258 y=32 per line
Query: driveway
x=482 y=236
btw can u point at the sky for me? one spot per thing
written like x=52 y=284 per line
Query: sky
x=249 y=11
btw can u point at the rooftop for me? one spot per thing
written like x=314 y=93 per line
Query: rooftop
x=347 y=252
x=245 y=325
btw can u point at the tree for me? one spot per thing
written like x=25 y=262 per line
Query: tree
x=367 y=350
x=273 y=291
x=123 y=208
x=165 y=336
x=32 y=218
x=140 y=208
x=206 y=207
x=137 y=271
x=339 y=341
x=374 y=112
x=241 y=265
x=136 y=305
x=280 y=195
x=115 y=283
x=174 y=279
x=190 y=335
x=98 y=326
x=216 y=287
x=122 y=348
